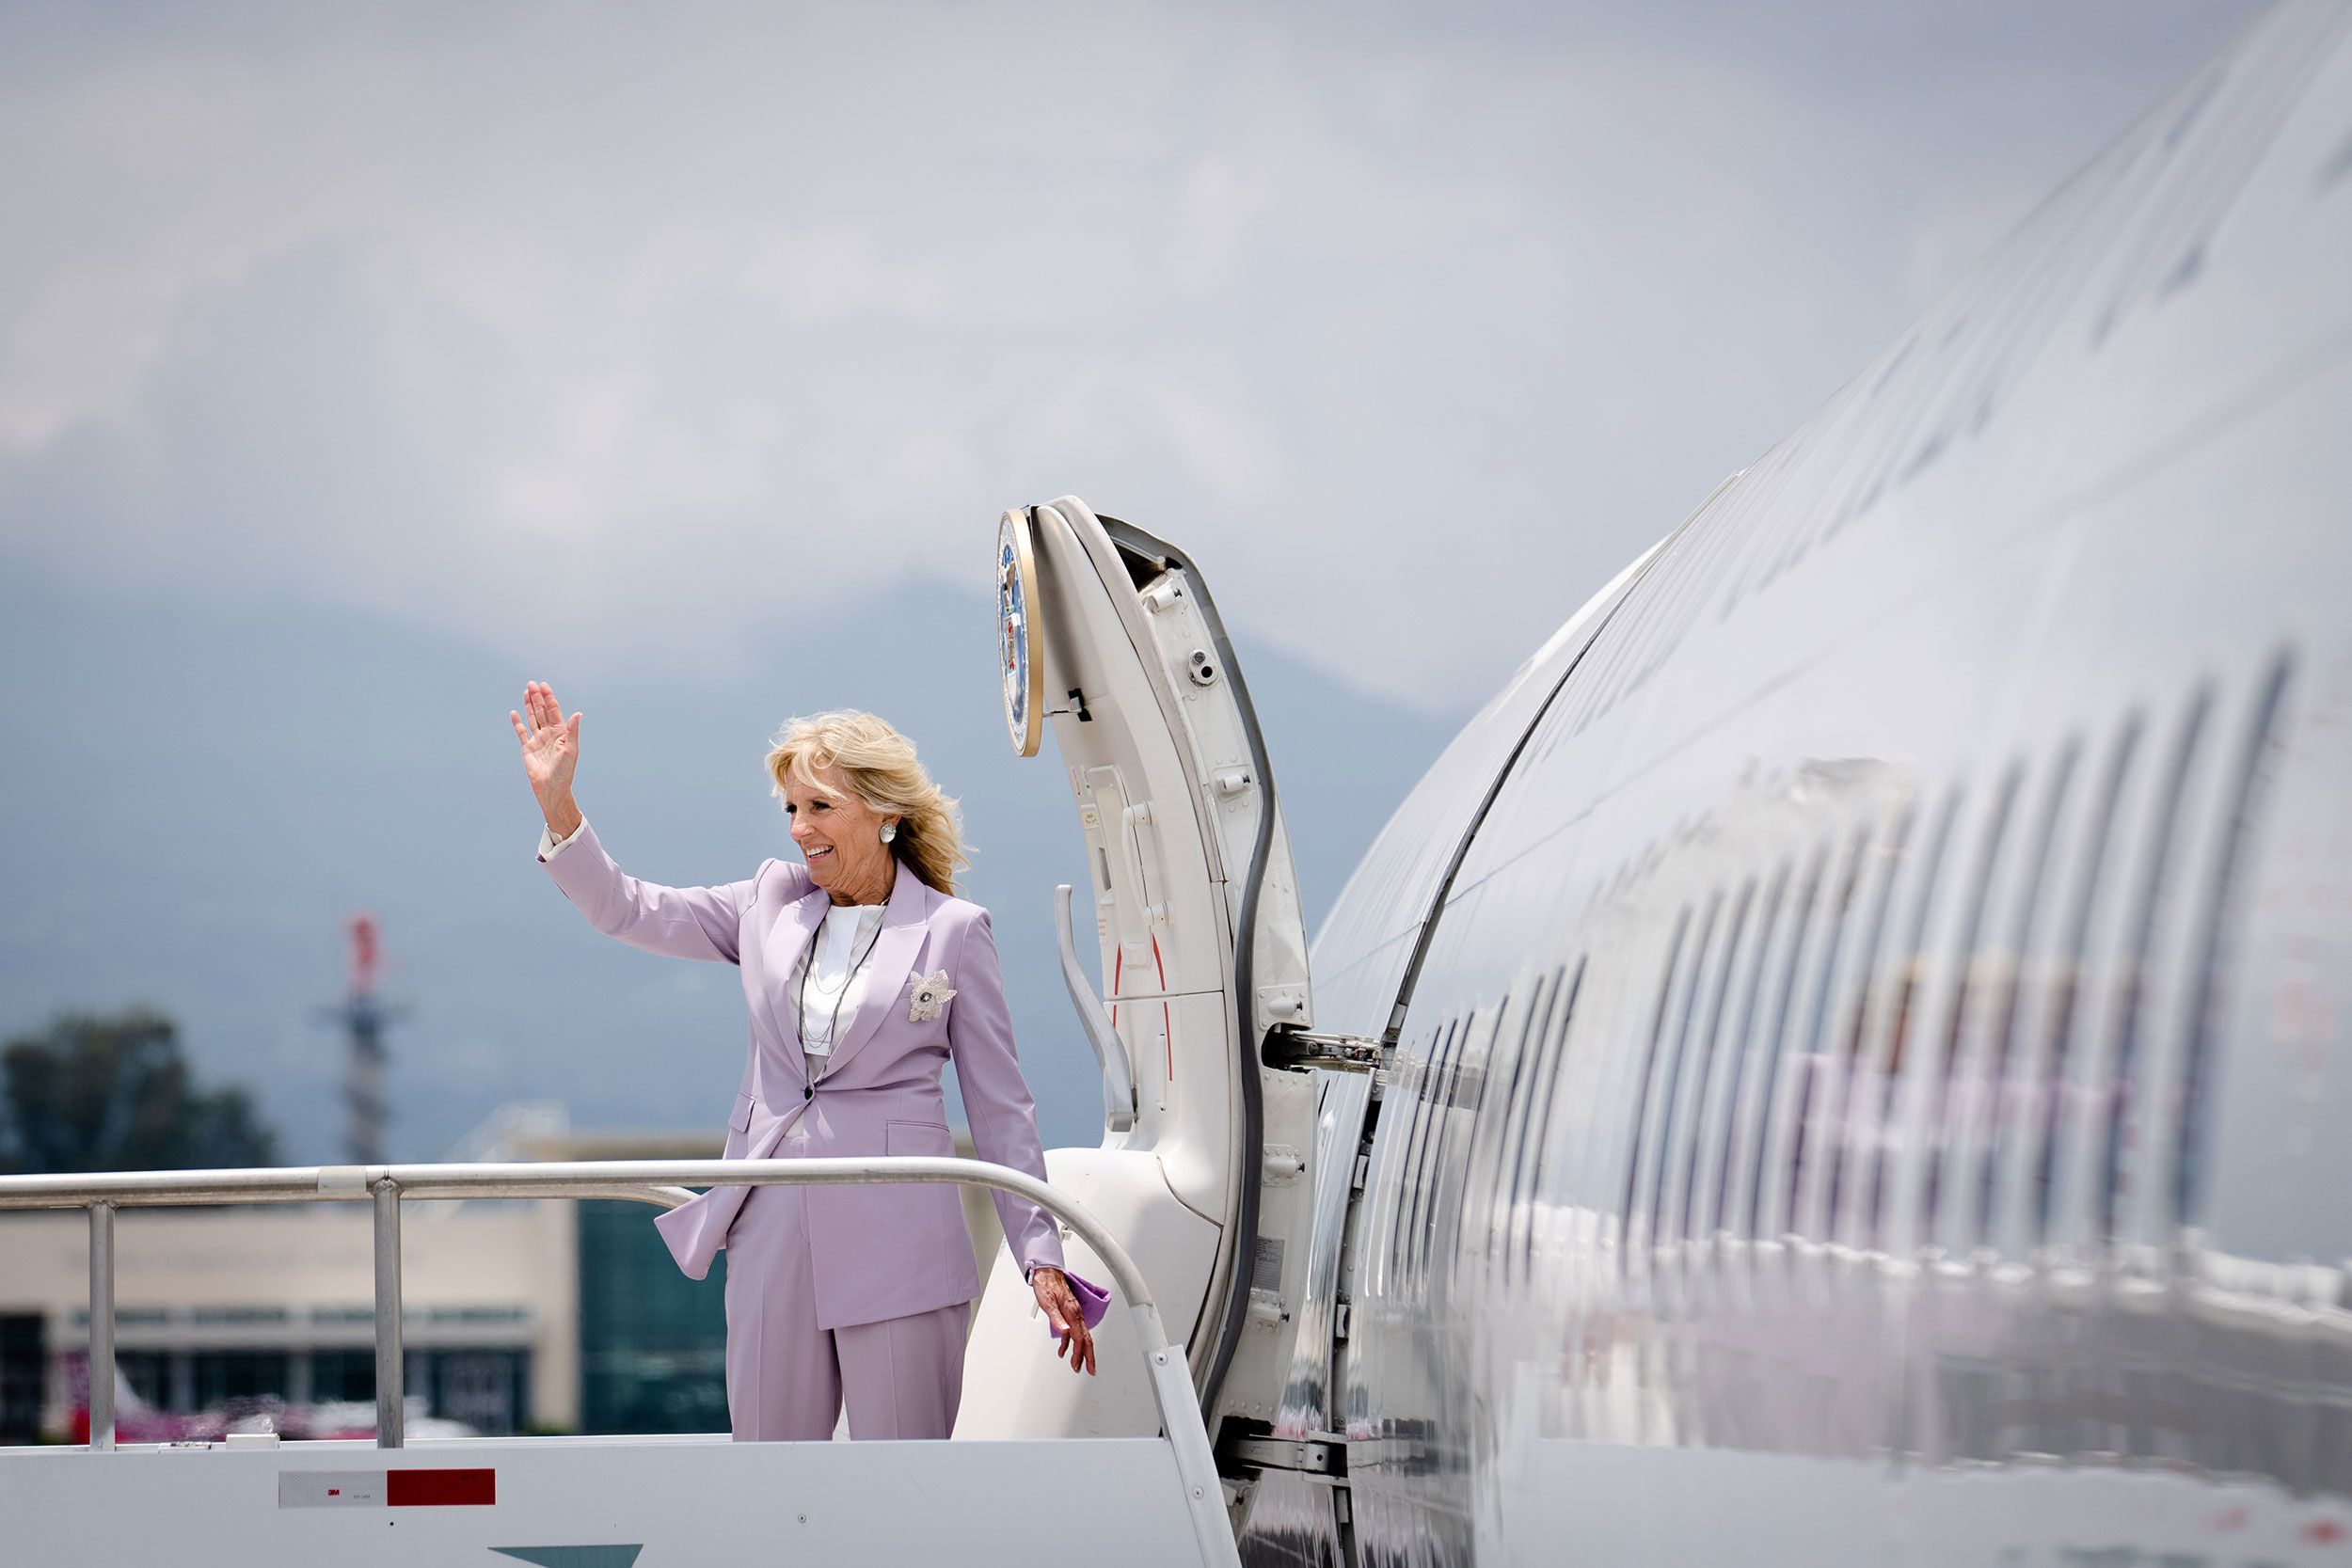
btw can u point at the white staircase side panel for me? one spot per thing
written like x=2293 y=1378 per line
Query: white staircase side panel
x=593 y=1502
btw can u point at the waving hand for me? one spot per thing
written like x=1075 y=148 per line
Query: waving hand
x=551 y=754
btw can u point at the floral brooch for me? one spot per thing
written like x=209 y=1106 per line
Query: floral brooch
x=930 y=996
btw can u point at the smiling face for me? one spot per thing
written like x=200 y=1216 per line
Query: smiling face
x=840 y=837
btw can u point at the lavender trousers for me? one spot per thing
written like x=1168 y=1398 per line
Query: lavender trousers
x=788 y=1378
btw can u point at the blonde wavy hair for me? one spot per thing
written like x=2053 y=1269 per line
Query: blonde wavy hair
x=880 y=767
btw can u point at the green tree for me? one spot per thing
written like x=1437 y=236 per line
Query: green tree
x=111 y=1091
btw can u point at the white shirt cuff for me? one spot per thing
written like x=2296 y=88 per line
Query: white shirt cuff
x=550 y=845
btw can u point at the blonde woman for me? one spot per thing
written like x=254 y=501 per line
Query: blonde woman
x=865 y=974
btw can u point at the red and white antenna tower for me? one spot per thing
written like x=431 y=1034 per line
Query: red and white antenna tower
x=364 y=1016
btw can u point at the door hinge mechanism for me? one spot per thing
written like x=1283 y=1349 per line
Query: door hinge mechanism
x=1325 y=1454
x=1300 y=1049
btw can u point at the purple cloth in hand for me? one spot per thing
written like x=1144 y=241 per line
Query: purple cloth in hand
x=1093 y=1301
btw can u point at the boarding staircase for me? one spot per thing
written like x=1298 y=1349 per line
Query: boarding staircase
x=595 y=1503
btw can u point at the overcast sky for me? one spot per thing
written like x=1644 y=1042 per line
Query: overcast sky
x=606 y=334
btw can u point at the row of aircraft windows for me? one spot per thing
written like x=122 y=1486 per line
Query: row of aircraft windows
x=1795 y=1023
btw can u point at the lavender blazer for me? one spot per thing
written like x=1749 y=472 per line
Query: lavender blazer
x=878 y=1251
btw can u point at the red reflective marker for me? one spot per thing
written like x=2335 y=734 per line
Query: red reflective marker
x=440 y=1488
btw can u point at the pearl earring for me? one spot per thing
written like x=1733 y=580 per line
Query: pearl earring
x=889 y=831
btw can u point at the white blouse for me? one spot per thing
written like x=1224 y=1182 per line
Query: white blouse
x=830 y=991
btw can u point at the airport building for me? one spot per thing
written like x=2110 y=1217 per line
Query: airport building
x=517 y=1316
x=277 y=1300
x=541 y=1316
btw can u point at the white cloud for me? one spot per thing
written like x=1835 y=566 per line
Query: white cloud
x=611 y=335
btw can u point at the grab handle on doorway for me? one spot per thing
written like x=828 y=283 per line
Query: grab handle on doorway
x=1118 y=1079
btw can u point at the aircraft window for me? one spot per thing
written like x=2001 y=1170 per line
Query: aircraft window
x=1553 y=1044
x=2249 y=793
x=1775 y=1068
x=2122 y=1129
x=1844 y=995
x=1649 y=1063
x=1873 y=1135
x=1972 y=978
x=1744 y=1049
x=2007 y=1087
x=2050 y=1112
x=1695 y=1111
x=1673 y=1091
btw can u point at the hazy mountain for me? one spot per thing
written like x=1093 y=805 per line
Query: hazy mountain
x=191 y=805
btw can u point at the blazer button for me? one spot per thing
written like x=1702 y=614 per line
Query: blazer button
x=809 y=1093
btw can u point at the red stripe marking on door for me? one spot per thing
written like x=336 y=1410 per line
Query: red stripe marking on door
x=440 y=1488
x=1167 y=1025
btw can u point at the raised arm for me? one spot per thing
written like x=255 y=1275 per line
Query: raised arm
x=682 y=921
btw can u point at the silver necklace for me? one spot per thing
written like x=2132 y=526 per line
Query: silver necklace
x=833 y=1027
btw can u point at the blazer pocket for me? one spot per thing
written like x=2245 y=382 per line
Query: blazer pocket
x=918 y=1137
x=742 y=1120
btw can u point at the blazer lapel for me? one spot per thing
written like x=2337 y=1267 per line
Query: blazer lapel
x=795 y=927
x=895 y=946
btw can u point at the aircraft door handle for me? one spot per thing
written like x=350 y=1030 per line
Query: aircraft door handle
x=1118 y=1079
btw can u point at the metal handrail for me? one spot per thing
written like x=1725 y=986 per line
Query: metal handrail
x=661 y=1182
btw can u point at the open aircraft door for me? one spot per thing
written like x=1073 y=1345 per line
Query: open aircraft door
x=1110 y=638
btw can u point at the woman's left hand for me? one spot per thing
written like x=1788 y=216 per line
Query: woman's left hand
x=1061 y=1309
